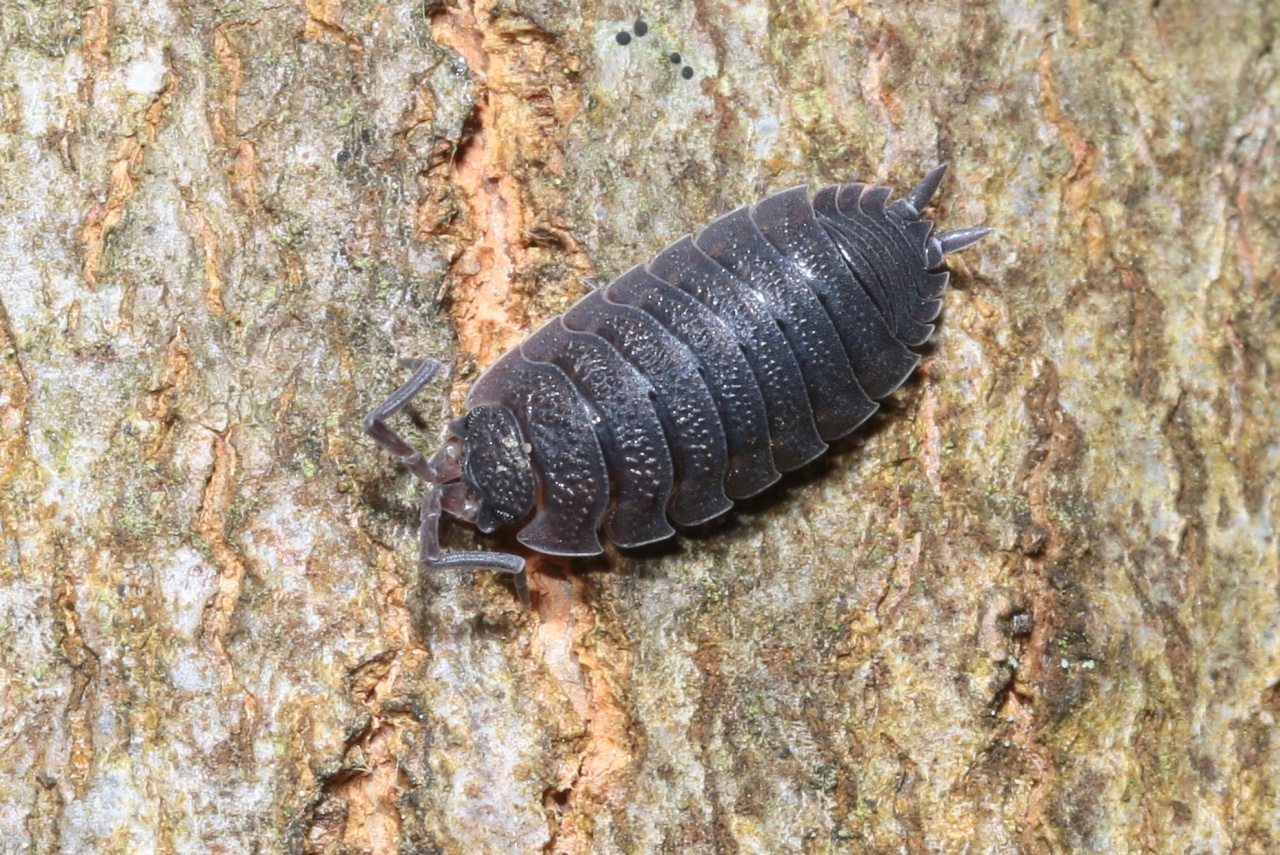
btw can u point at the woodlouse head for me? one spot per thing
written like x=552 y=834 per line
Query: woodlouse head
x=494 y=464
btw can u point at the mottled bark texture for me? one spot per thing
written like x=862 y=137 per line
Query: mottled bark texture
x=1037 y=611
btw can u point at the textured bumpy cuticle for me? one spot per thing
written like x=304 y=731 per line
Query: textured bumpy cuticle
x=498 y=466
x=734 y=355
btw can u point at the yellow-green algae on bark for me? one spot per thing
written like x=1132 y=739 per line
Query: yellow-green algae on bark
x=1035 y=611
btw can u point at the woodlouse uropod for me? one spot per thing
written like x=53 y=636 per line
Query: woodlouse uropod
x=688 y=382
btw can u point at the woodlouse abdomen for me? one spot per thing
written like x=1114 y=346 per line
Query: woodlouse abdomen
x=734 y=355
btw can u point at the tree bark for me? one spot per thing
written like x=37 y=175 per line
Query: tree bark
x=1035 y=609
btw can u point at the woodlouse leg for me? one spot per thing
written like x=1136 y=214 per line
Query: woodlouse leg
x=429 y=544
x=376 y=426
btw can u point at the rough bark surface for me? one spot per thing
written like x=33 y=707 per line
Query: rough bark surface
x=1037 y=611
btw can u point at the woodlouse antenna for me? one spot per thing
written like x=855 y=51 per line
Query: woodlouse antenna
x=433 y=558
x=375 y=424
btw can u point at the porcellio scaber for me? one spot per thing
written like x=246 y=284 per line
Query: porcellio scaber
x=734 y=355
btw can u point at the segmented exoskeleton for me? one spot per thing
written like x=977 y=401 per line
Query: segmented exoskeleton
x=691 y=381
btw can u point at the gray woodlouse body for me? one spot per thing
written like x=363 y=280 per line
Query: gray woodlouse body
x=694 y=380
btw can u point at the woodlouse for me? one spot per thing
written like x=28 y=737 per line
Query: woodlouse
x=694 y=380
